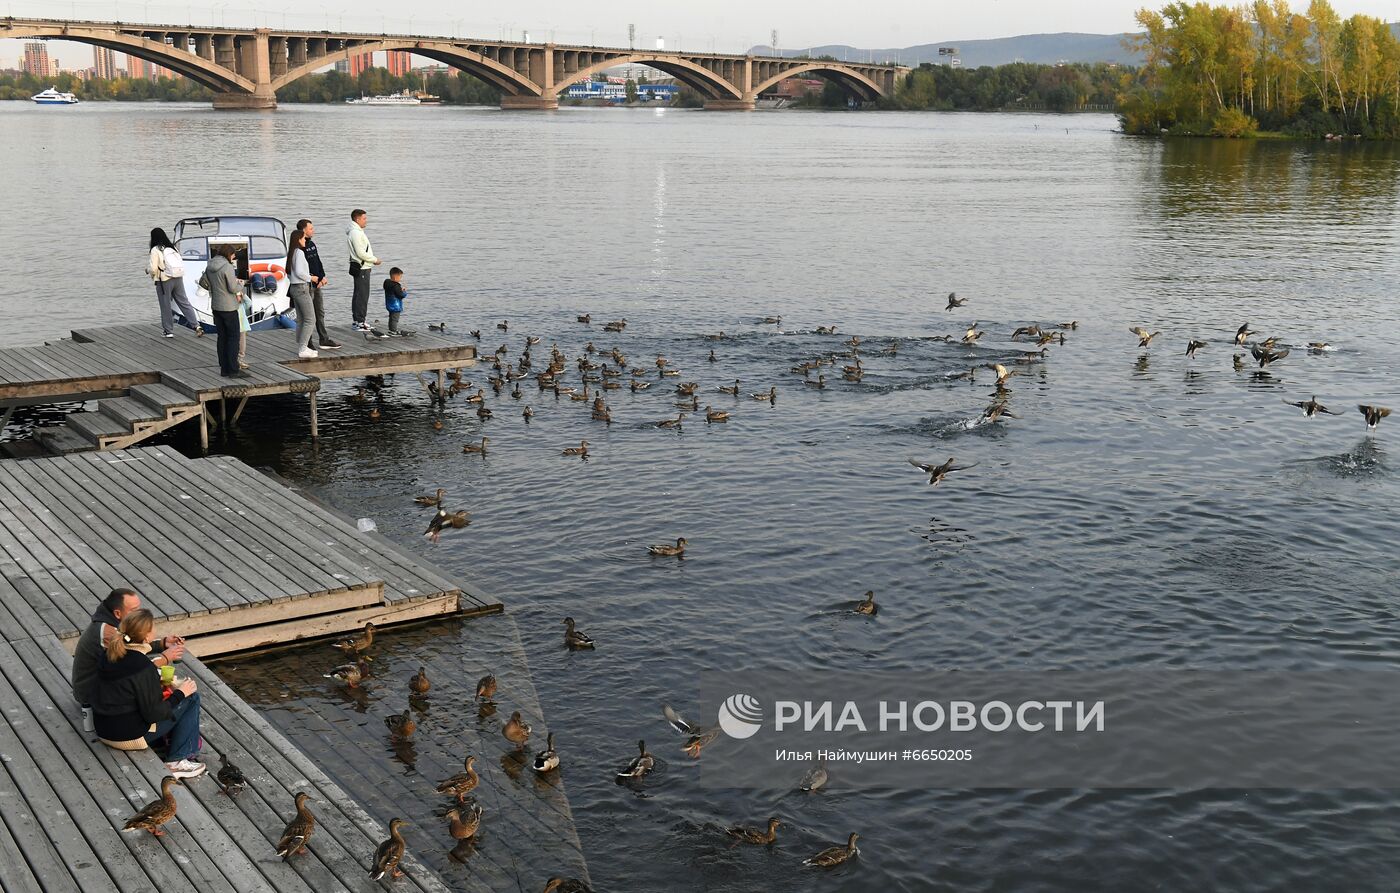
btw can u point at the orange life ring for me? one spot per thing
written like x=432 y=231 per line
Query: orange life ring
x=275 y=269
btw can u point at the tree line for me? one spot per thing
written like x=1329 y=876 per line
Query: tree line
x=1024 y=85
x=454 y=87
x=23 y=86
x=1235 y=70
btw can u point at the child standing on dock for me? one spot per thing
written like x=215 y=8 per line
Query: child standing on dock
x=393 y=300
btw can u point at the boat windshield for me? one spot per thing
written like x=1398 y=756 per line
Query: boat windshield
x=267 y=235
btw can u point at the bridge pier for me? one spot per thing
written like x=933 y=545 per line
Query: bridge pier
x=235 y=101
x=730 y=105
x=530 y=103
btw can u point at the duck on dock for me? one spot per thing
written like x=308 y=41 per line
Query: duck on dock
x=229 y=777
x=357 y=644
x=419 y=683
x=547 y=760
x=401 y=725
x=351 y=674
x=156 y=813
x=464 y=827
x=298 y=831
x=390 y=853
x=461 y=784
x=516 y=731
x=486 y=687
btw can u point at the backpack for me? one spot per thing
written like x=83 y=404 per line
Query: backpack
x=174 y=264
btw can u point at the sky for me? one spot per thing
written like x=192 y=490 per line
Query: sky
x=719 y=25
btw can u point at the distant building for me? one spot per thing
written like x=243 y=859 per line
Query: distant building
x=104 y=63
x=343 y=66
x=796 y=88
x=651 y=92
x=427 y=71
x=360 y=62
x=398 y=62
x=36 y=59
x=137 y=68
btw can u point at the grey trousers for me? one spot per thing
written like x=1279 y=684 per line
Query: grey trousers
x=394 y=320
x=300 y=293
x=172 y=291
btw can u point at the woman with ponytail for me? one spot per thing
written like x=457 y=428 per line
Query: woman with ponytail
x=132 y=709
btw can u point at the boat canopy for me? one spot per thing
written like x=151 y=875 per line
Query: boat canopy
x=267 y=236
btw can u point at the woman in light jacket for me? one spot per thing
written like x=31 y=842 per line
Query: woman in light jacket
x=299 y=290
x=225 y=292
x=169 y=286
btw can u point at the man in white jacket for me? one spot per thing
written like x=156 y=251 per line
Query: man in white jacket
x=362 y=262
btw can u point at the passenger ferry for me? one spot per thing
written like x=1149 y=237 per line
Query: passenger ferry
x=51 y=96
x=262 y=252
x=402 y=98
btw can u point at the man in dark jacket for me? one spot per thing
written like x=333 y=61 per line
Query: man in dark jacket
x=321 y=341
x=105 y=620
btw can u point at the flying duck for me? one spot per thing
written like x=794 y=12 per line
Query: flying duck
x=937 y=473
x=698 y=735
x=1310 y=407
x=1264 y=356
x=1193 y=346
x=954 y=300
x=1373 y=414
x=1242 y=333
x=1144 y=337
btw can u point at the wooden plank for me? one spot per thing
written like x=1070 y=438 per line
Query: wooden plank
x=15 y=874
x=278 y=634
x=29 y=575
x=37 y=850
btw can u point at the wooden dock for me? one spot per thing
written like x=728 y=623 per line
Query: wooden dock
x=144 y=383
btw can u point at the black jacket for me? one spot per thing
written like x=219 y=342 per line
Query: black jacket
x=128 y=697
x=313 y=260
x=89 y=653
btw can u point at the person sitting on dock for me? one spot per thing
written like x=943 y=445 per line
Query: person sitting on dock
x=135 y=705
x=321 y=340
x=393 y=300
x=362 y=263
x=93 y=642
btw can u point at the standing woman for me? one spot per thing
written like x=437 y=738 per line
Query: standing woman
x=299 y=275
x=225 y=291
x=168 y=273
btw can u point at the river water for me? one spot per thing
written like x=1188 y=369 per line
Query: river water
x=1144 y=511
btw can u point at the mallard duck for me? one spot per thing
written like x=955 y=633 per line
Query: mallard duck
x=437 y=424
x=298 y=830
x=1003 y=373
x=351 y=674
x=677 y=549
x=566 y=885
x=698 y=735
x=419 y=683
x=687 y=389
x=515 y=392
x=389 y=854
x=771 y=396
x=1144 y=337
x=573 y=638
x=475 y=333
x=548 y=759
x=464 y=828
x=1311 y=407
x=867 y=605
x=1193 y=345
x=1242 y=333
x=527 y=414
x=671 y=423
x=730 y=389
x=445 y=519
x=1264 y=355
x=819 y=384
x=615 y=326
x=712 y=358
x=638 y=385
x=359 y=396
x=814 y=779
x=478 y=448
x=503 y=325
x=586 y=319
x=993 y=413
x=640 y=765
x=971 y=335
x=673 y=373
x=937 y=473
x=745 y=834
x=1319 y=346
x=580 y=450
x=483 y=412
x=693 y=404
x=516 y=730
x=357 y=644
x=826 y=330
x=478 y=397
x=486 y=687
x=1031 y=330
x=229 y=777
x=835 y=855
x=661 y=362
x=437 y=327
x=401 y=725
x=773 y=320
x=1050 y=338
x=954 y=300
x=156 y=813
x=461 y=784
x=712 y=415
x=1373 y=414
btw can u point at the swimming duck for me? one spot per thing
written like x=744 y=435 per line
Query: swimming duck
x=503 y=325
x=1238 y=362
x=586 y=319
x=615 y=326
x=482 y=412
x=835 y=855
x=745 y=834
x=1311 y=407
x=954 y=300
x=581 y=450
x=486 y=687
x=581 y=396
x=1033 y=357
x=1319 y=346
x=401 y=725
x=357 y=644
x=156 y=813
x=515 y=391
x=461 y=784
x=435 y=499
x=661 y=362
x=548 y=759
x=527 y=414
x=771 y=396
x=531 y=340
x=1049 y=338
x=712 y=358
x=1144 y=337
x=389 y=854
x=712 y=415
x=464 y=828
x=1264 y=356
x=516 y=730
x=575 y=639
x=773 y=320
x=639 y=385
x=475 y=448
x=867 y=605
x=815 y=778
x=671 y=423
x=640 y=765
x=359 y=396
x=1193 y=346
x=734 y=389
x=350 y=674
x=566 y=885
x=418 y=683
x=670 y=373
x=229 y=777
x=699 y=735
x=970 y=375
x=1242 y=333
x=686 y=388
x=437 y=424
x=693 y=404
x=826 y=330
x=298 y=830
x=443 y=520
x=819 y=384
x=1072 y=324
x=937 y=473
x=677 y=549
x=1373 y=414
x=475 y=333
x=437 y=327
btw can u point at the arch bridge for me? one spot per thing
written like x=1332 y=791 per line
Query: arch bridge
x=245 y=68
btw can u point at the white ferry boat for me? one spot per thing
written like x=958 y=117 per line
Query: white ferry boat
x=51 y=96
x=402 y=98
x=262 y=254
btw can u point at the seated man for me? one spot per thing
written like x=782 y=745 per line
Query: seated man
x=105 y=620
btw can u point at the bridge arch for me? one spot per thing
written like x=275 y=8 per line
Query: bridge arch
x=692 y=75
x=849 y=79
x=508 y=80
x=196 y=68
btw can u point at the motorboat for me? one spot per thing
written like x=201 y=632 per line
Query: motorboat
x=402 y=98
x=261 y=244
x=51 y=96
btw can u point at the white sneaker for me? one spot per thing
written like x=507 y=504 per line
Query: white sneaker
x=307 y=353
x=186 y=769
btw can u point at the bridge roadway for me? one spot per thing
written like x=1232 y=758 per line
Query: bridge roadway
x=245 y=68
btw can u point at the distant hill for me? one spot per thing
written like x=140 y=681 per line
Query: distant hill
x=1043 y=48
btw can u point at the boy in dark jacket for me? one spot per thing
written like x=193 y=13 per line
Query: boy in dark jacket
x=393 y=300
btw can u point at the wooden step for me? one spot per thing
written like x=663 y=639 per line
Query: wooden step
x=97 y=425
x=130 y=411
x=162 y=397
x=61 y=440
